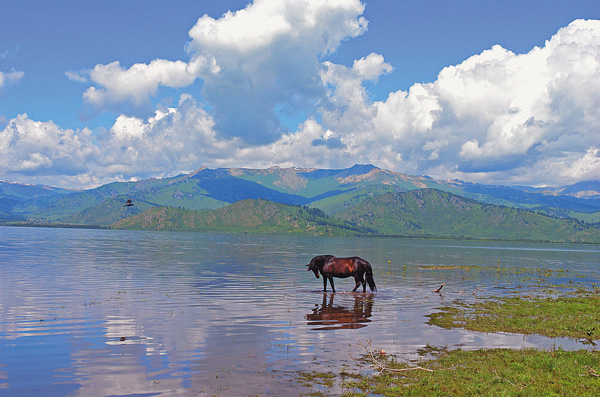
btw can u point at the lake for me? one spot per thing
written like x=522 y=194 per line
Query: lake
x=106 y=312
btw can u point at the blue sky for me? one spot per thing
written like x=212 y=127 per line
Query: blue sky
x=492 y=92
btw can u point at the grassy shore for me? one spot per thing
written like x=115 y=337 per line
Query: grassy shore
x=502 y=372
x=505 y=372
x=574 y=317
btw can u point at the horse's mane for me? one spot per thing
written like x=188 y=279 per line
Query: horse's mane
x=320 y=260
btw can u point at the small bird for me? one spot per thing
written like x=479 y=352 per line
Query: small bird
x=128 y=203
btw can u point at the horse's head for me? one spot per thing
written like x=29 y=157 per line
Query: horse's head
x=317 y=263
x=311 y=266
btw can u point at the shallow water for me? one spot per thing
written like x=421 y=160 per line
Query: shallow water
x=104 y=312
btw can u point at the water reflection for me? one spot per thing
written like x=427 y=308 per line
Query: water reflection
x=329 y=316
x=104 y=312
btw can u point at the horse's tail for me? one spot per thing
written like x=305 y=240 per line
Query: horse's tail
x=369 y=277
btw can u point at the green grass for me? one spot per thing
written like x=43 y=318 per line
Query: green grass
x=575 y=317
x=495 y=372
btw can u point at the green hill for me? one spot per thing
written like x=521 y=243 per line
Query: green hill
x=429 y=212
x=7 y=217
x=333 y=191
x=18 y=199
x=419 y=213
x=107 y=212
x=248 y=216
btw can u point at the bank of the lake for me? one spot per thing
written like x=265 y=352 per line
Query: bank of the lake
x=528 y=371
x=486 y=372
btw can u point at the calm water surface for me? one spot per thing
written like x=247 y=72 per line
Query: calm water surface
x=104 y=312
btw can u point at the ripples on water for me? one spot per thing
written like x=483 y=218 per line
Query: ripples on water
x=101 y=312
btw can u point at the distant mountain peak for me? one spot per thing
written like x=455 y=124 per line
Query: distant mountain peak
x=360 y=173
x=198 y=171
x=362 y=168
x=585 y=189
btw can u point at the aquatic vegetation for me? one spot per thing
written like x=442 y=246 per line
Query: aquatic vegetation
x=448 y=267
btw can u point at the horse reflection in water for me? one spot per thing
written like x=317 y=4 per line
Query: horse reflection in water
x=329 y=267
x=330 y=317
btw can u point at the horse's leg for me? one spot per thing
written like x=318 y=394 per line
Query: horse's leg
x=324 y=283
x=357 y=281
x=362 y=281
x=331 y=282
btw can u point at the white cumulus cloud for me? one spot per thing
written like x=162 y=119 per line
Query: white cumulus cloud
x=43 y=150
x=172 y=140
x=498 y=116
x=260 y=65
x=10 y=77
x=124 y=88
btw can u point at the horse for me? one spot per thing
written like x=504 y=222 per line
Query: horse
x=329 y=266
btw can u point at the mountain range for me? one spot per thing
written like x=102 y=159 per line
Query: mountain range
x=345 y=196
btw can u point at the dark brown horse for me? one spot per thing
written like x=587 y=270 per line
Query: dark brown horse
x=329 y=266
